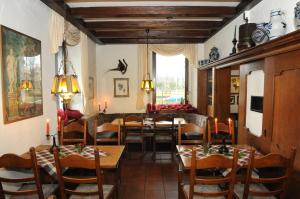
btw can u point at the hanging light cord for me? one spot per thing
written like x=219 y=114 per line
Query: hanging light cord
x=147 y=70
x=65 y=60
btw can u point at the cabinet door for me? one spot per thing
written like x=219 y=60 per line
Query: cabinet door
x=202 y=92
x=222 y=94
x=286 y=122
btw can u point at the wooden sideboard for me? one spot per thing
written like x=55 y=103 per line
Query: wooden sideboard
x=279 y=59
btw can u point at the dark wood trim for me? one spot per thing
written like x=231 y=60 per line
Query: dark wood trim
x=154 y=76
x=153 y=11
x=152 y=34
x=152 y=41
x=64 y=10
x=186 y=92
x=284 y=44
x=153 y=25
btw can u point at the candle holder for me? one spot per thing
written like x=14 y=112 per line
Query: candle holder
x=53 y=142
x=223 y=149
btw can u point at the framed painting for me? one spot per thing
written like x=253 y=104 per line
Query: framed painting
x=22 y=94
x=235 y=84
x=121 y=87
x=91 y=88
x=232 y=100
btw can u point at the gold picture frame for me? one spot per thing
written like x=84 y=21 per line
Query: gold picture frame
x=235 y=84
x=22 y=94
x=121 y=87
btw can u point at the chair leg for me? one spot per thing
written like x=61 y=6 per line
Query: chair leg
x=154 y=150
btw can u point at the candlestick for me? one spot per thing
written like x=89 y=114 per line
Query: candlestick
x=58 y=123
x=99 y=107
x=105 y=103
x=234 y=42
x=229 y=125
x=216 y=125
x=47 y=127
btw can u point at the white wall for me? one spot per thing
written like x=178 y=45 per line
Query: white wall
x=260 y=13
x=107 y=57
x=30 y=17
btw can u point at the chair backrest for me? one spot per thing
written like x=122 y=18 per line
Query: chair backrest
x=78 y=161
x=191 y=128
x=213 y=162
x=222 y=127
x=271 y=160
x=164 y=122
x=133 y=124
x=12 y=161
x=106 y=127
x=74 y=132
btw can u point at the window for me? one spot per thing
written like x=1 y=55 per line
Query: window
x=171 y=77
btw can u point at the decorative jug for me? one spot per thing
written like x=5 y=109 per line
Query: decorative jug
x=276 y=26
x=297 y=15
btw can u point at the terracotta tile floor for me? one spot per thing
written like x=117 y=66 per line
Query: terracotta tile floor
x=144 y=178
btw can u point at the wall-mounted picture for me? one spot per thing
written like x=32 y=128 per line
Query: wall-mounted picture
x=232 y=100
x=121 y=87
x=235 y=84
x=91 y=88
x=21 y=76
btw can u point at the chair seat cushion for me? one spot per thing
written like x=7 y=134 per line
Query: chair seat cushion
x=107 y=189
x=14 y=174
x=48 y=189
x=192 y=136
x=239 y=191
x=106 y=135
x=133 y=138
x=203 y=188
x=163 y=138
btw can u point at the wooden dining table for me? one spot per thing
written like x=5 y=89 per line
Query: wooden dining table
x=110 y=163
x=185 y=152
x=148 y=122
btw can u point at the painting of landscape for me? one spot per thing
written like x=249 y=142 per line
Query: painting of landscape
x=21 y=76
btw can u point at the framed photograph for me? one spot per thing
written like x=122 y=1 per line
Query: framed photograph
x=121 y=87
x=91 y=88
x=232 y=100
x=235 y=84
x=21 y=76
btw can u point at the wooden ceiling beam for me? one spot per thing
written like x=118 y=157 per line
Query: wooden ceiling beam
x=153 y=34
x=64 y=10
x=153 y=11
x=151 y=41
x=155 y=25
x=86 y=1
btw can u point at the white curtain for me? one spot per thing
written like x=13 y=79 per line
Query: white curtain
x=57 y=28
x=188 y=50
x=87 y=103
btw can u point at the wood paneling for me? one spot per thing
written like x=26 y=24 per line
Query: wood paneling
x=153 y=11
x=151 y=41
x=202 y=92
x=222 y=94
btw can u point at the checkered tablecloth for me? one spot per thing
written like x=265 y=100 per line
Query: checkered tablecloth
x=46 y=160
x=244 y=153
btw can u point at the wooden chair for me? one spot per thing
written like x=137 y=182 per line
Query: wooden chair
x=191 y=134
x=163 y=132
x=254 y=186
x=209 y=186
x=91 y=186
x=107 y=133
x=23 y=177
x=222 y=128
x=133 y=128
x=74 y=132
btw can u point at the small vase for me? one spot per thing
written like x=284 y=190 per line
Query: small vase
x=297 y=16
x=277 y=26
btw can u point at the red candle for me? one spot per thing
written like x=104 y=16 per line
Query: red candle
x=58 y=122
x=230 y=125
x=216 y=125
x=47 y=127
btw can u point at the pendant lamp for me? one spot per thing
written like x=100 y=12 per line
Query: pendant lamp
x=65 y=85
x=147 y=84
